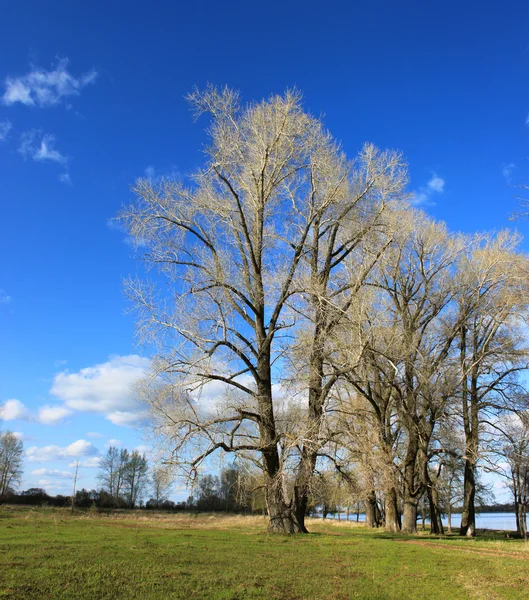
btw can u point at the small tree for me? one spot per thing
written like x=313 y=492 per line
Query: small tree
x=161 y=484
x=11 y=454
x=135 y=478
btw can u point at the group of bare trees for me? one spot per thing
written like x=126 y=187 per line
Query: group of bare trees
x=304 y=314
x=124 y=476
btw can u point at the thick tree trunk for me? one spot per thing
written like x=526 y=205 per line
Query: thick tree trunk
x=371 y=510
x=283 y=518
x=468 y=518
x=436 y=524
x=521 y=521
x=411 y=491
x=409 y=515
x=391 y=510
x=311 y=446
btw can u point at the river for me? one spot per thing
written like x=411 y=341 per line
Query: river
x=500 y=520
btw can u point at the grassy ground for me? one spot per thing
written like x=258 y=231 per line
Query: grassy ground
x=48 y=553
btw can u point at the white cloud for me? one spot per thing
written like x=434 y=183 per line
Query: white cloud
x=40 y=147
x=13 y=409
x=47 y=415
x=507 y=171
x=106 y=388
x=53 y=473
x=49 y=453
x=51 y=415
x=46 y=88
x=423 y=196
x=5 y=128
x=123 y=418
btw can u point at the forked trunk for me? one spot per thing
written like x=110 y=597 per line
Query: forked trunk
x=283 y=518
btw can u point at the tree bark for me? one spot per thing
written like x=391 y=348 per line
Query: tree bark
x=411 y=490
x=371 y=510
x=468 y=518
x=391 y=510
x=471 y=427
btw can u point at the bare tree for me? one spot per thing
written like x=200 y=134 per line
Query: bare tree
x=493 y=348
x=112 y=473
x=135 y=478
x=74 y=490
x=162 y=482
x=405 y=335
x=515 y=449
x=11 y=456
x=256 y=246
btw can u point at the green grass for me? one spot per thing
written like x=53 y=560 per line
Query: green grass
x=48 y=553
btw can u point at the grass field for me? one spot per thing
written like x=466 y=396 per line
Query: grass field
x=49 y=553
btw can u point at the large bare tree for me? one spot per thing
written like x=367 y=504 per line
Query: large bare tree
x=493 y=347
x=262 y=243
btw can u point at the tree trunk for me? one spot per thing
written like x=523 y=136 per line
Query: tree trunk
x=309 y=451
x=282 y=517
x=391 y=510
x=371 y=510
x=470 y=402
x=436 y=524
x=521 y=521
x=468 y=518
x=411 y=491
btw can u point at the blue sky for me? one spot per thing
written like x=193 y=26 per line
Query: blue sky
x=92 y=97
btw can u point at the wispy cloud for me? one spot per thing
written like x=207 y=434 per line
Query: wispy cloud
x=507 y=172
x=154 y=174
x=65 y=178
x=40 y=147
x=5 y=128
x=52 y=473
x=41 y=87
x=424 y=196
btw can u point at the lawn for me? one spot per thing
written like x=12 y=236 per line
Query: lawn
x=49 y=553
